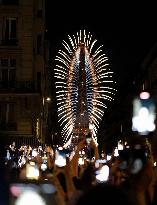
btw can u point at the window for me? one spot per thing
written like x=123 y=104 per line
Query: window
x=7 y=72
x=10 y=30
x=7 y=116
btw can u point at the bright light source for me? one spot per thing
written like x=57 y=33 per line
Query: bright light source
x=97 y=81
x=144 y=95
x=116 y=154
x=120 y=146
x=103 y=174
x=108 y=157
x=143 y=119
x=48 y=99
x=60 y=161
x=32 y=171
x=90 y=126
x=43 y=167
x=25 y=197
x=60 y=148
x=81 y=161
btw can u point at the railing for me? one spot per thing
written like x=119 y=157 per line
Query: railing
x=24 y=140
x=18 y=86
x=12 y=126
x=9 y=2
x=9 y=42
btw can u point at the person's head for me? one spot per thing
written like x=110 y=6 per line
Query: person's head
x=87 y=176
x=104 y=194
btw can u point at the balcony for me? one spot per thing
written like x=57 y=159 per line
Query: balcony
x=18 y=87
x=9 y=2
x=11 y=126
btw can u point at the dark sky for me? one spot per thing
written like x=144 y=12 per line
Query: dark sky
x=126 y=31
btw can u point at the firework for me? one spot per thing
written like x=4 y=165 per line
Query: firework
x=84 y=84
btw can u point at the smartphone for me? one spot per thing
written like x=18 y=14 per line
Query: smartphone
x=34 y=152
x=43 y=166
x=138 y=158
x=109 y=156
x=88 y=138
x=143 y=119
x=32 y=170
x=124 y=156
x=102 y=173
x=36 y=193
x=60 y=158
x=81 y=161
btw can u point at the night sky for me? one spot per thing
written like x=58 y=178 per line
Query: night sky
x=127 y=32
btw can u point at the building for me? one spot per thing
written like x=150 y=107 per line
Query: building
x=23 y=71
x=149 y=80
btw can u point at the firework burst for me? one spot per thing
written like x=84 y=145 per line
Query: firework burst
x=84 y=84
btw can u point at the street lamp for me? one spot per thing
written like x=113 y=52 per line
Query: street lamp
x=48 y=99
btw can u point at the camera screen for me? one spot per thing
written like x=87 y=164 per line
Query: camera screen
x=60 y=158
x=41 y=194
x=32 y=170
x=143 y=119
x=102 y=174
x=88 y=138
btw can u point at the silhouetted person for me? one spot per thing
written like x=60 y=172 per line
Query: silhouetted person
x=104 y=194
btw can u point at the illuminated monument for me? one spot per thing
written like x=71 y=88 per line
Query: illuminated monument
x=84 y=84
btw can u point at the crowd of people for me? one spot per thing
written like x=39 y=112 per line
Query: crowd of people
x=82 y=175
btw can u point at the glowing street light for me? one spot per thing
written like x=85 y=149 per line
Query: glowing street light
x=48 y=99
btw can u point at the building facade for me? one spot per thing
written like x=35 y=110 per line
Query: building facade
x=149 y=80
x=23 y=70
